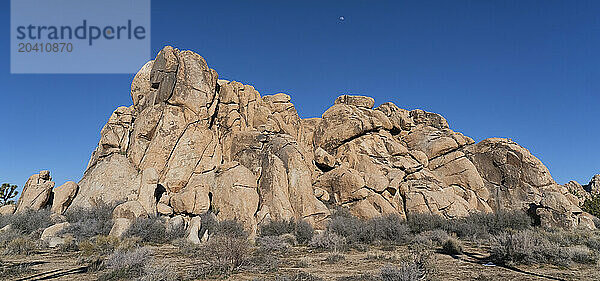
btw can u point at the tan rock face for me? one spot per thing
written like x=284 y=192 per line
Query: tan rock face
x=8 y=209
x=36 y=192
x=191 y=143
x=63 y=196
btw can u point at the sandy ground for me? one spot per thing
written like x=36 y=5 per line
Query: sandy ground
x=53 y=265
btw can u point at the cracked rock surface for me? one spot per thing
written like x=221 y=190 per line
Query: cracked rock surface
x=193 y=143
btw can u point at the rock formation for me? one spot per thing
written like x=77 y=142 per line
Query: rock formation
x=37 y=192
x=191 y=143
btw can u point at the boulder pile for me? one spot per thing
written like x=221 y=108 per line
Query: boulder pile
x=191 y=143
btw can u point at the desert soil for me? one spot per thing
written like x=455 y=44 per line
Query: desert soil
x=54 y=265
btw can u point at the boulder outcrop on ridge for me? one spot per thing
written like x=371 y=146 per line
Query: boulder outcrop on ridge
x=191 y=143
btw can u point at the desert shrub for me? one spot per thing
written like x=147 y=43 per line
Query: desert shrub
x=596 y=221
x=277 y=227
x=302 y=230
x=581 y=254
x=21 y=246
x=526 y=247
x=334 y=257
x=153 y=230
x=481 y=225
x=476 y=225
x=290 y=239
x=229 y=250
x=99 y=246
x=85 y=223
x=353 y=229
x=389 y=228
x=408 y=271
x=212 y=270
x=228 y=228
x=161 y=272
x=10 y=271
x=263 y=262
x=69 y=245
x=592 y=205
x=328 y=241
x=272 y=243
x=28 y=221
x=303 y=276
x=126 y=264
x=231 y=228
x=452 y=246
x=431 y=237
x=219 y=256
x=8 y=235
x=423 y=222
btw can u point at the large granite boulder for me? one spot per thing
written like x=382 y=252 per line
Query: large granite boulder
x=37 y=192
x=191 y=143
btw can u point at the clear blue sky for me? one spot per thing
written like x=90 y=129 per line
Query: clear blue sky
x=528 y=70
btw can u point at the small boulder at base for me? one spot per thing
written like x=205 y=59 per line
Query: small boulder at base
x=119 y=227
x=129 y=210
x=53 y=231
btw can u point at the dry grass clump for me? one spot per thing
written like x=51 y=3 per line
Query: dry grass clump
x=27 y=222
x=272 y=244
x=11 y=270
x=126 y=265
x=334 y=257
x=534 y=247
x=328 y=241
x=299 y=276
x=85 y=223
x=226 y=251
x=22 y=246
x=154 y=230
x=452 y=246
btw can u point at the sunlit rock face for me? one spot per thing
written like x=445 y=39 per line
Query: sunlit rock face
x=191 y=143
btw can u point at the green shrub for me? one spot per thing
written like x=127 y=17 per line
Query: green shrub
x=592 y=205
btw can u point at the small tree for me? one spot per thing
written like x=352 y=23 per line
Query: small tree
x=7 y=193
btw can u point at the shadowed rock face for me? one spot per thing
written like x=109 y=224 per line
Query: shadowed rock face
x=211 y=144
